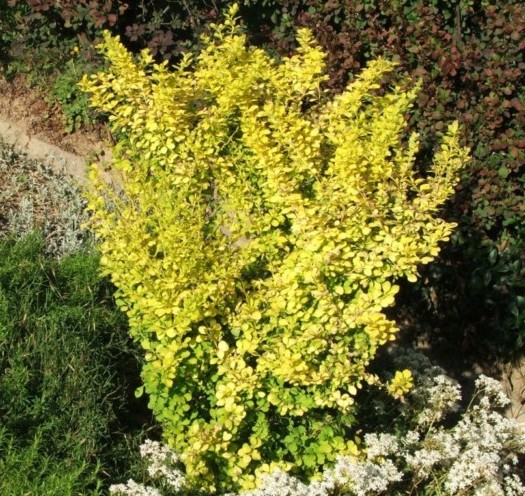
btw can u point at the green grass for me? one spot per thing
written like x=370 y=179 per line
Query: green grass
x=26 y=469
x=68 y=370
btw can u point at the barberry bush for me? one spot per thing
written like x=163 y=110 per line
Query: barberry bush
x=258 y=237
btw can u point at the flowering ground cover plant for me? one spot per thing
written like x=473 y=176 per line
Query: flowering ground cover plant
x=440 y=449
x=259 y=236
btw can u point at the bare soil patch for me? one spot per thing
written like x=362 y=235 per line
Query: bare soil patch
x=27 y=107
x=36 y=128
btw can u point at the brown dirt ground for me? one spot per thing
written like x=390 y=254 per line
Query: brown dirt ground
x=32 y=125
x=27 y=108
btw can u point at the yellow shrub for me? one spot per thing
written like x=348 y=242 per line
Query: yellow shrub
x=256 y=243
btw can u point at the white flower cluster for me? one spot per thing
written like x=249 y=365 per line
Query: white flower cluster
x=474 y=456
x=477 y=455
x=492 y=392
x=364 y=478
x=490 y=442
x=438 y=395
x=380 y=445
x=133 y=488
x=161 y=465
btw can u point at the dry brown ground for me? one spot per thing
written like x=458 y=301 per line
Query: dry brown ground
x=33 y=126
x=27 y=108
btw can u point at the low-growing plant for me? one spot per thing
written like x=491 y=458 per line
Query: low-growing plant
x=67 y=374
x=259 y=236
x=37 y=196
x=65 y=91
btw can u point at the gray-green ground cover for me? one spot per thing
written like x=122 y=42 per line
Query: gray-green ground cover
x=34 y=196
